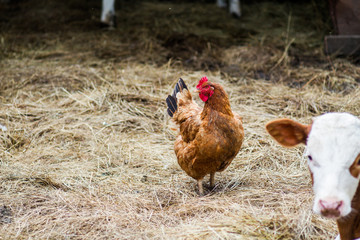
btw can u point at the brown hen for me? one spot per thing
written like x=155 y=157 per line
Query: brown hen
x=210 y=137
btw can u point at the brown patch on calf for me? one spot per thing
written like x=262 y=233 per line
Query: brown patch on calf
x=355 y=167
x=287 y=132
x=349 y=226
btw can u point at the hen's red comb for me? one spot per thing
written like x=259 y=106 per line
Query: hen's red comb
x=202 y=80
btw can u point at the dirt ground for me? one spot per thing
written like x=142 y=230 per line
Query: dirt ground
x=88 y=152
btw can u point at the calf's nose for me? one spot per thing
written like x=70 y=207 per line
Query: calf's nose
x=330 y=208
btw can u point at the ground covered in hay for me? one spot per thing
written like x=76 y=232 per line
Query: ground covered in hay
x=88 y=153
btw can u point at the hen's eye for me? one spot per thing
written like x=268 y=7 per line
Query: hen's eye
x=310 y=158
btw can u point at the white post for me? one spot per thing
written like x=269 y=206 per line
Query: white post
x=108 y=11
x=235 y=8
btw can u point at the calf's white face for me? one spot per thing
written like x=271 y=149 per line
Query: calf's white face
x=332 y=149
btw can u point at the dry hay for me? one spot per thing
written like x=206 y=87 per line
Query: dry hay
x=89 y=155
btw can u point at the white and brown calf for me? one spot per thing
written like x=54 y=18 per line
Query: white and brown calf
x=333 y=152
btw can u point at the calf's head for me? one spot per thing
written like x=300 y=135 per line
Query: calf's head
x=333 y=154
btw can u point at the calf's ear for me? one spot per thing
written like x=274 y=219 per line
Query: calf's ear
x=288 y=132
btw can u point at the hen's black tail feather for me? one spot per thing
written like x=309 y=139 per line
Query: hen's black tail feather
x=171 y=99
x=172 y=105
x=180 y=85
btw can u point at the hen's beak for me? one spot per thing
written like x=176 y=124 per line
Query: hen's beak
x=196 y=91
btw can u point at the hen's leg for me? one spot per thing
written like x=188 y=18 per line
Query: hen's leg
x=212 y=180
x=201 y=189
